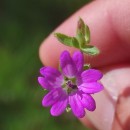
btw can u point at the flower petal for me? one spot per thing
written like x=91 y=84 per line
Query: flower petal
x=92 y=87
x=67 y=65
x=76 y=105
x=52 y=76
x=78 y=60
x=91 y=75
x=44 y=83
x=52 y=97
x=88 y=102
x=59 y=106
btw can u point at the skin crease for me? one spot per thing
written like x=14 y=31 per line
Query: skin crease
x=109 y=23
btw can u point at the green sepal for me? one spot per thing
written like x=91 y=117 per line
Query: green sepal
x=68 y=109
x=66 y=40
x=83 y=33
x=86 y=66
x=91 y=50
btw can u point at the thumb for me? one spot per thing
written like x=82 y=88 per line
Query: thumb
x=113 y=103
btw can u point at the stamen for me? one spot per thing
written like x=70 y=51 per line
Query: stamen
x=70 y=84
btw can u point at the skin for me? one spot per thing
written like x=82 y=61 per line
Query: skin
x=109 y=23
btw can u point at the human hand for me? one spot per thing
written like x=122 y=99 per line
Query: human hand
x=109 y=23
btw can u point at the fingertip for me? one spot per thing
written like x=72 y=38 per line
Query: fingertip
x=50 y=51
x=47 y=53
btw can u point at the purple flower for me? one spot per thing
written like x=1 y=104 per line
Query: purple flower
x=72 y=87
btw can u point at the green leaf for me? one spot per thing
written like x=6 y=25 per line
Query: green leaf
x=91 y=50
x=81 y=41
x=66 y=40
x=87 y=34
x=83 y=33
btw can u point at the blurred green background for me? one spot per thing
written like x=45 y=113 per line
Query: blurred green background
x=23 y=26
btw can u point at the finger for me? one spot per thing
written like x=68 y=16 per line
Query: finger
x=104 y=117
x=110 y=34
x=87 y=123
x=122 y=115
x=110 y=30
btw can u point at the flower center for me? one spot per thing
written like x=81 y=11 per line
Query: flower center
x=70 y=85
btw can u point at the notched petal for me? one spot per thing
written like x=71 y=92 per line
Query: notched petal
x=42 y=81
x=88 y=102
x=91 y=75
x=67 y=65
x=76 y=106
x=49 y=71
x=59 y=107
x=52 y=97
x=78 y=60
x=52 y=76
x=91 y=88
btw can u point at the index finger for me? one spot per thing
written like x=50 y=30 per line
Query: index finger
x=110 y=30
